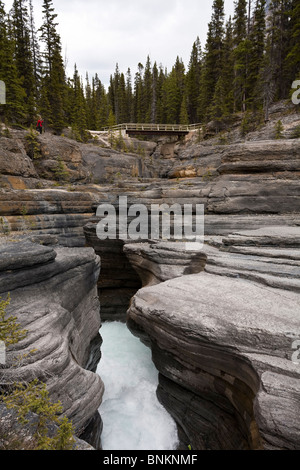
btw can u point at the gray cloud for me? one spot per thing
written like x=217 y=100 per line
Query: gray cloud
x=97 y=34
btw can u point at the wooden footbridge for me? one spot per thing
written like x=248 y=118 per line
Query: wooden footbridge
x=134 y=129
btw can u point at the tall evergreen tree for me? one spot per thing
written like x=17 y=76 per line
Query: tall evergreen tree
x=147 y=91
x=241 y=45
x=53 y=89
x=155 y=93
x=14 y=111
x=129 y=97
x=160 y=102
x=35 y=50
x=193 y=78
x=212 y=66
x=174 y=92
x=292 y=59
x=139 y=111
x=78 y=117
x=122 y=100
x=23 y=54
x=257 y=48
x=223 y=100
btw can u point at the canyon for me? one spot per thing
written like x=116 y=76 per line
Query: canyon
x=222 y=323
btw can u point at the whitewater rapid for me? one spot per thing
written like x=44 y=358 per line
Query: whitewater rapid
x=133 y=418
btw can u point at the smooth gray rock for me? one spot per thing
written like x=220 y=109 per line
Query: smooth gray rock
x=57 y=304
x=222 y=349
x=24 y=254
x=158 y=262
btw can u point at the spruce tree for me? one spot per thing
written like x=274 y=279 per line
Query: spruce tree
x=23 y=55
x=212 y=66
x=193 y=78
x=15 y=109
x=122 y=100
x=223 y=100
x=160 y=100
x=78 y=118
x=241 y=45
x=129 y=97
x=53 y=87
x=36 y=54
x=155 y=93
x=139 y=111
x=292 y=60
x=147 y=90
x=174 y=89
x=257 y=48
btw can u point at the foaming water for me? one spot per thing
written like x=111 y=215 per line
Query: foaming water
x=133 y=418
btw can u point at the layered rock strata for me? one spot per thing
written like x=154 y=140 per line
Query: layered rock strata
x=54 y=297
x=224 y=341
x=159 y=261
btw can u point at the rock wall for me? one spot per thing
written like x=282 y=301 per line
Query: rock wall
x=54 y=297
x=222 y=341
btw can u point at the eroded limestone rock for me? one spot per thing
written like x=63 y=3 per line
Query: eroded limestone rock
x=54 y=297
x=223 y=348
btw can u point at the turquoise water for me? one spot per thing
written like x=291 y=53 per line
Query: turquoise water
x=133 y=419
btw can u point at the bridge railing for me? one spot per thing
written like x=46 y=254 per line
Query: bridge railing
x=153 y=127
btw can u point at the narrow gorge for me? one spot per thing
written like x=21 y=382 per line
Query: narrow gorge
x=221 y=323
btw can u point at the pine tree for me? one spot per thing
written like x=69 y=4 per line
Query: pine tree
x=122 y=100
x=278 y=28
x=147 y=91
x=129 y=97
x=174 y=87
x=15 y=110
x=53 y=88
x=241 y=45
x=49 y=33
x=35 y=50
x=78 y=118
x=257 y=48
x=23 y=54
x=223 y=100
x=101 y=104
x=193 y=78
x=160 y=100
x=155 y=92
x=212 y=66
x=292 y=59
x=139 y=111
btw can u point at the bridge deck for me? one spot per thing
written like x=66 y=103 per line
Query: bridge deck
x=154 y=129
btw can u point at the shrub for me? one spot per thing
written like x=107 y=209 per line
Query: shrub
x=33 y=145
x=279 y=130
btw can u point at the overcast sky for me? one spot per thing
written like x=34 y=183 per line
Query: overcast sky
x=97 y=34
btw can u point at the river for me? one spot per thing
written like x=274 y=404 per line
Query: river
x=133 y=418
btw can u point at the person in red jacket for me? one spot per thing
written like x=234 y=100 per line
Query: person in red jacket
x=39 y=126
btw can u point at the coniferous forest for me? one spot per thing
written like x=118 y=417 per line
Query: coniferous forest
x=246 y=64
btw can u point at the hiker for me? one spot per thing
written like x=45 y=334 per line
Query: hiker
x=39 y=126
